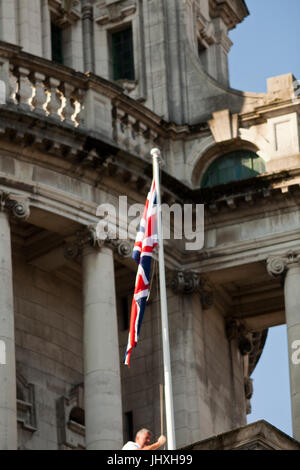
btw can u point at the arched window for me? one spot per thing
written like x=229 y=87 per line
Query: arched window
x=233 y=166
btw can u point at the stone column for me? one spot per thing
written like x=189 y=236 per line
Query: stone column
x=88 y=36
x=30 y=27
x=288 y=266
x=46 y=30
x=8 y=400
x=8 y=21
x=102 y=383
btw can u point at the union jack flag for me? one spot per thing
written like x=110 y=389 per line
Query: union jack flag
x=146 y=240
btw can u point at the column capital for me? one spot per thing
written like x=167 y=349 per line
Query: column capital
x=16 y=206
x=88 y=237
x=87 y=10
x=277 y=265
x=189 y=282
x=123 y=248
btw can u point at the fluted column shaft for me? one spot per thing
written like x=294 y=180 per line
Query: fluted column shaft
x=292 y=313
x=8 y=407
x=102 y=385
x=288 y=266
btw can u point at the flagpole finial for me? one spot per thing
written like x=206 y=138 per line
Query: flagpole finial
x=155 y=152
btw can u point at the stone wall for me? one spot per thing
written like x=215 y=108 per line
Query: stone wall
x=48 y=328
x=206 y=371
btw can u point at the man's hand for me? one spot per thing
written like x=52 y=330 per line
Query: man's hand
x=161 y=440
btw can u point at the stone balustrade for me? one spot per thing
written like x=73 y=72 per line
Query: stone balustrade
x=42 y=90
x=49 y=90
x=132 y=133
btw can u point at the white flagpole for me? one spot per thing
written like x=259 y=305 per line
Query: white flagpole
x=164 y=310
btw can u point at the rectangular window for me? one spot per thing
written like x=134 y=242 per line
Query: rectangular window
x=122 y=54
x=57 y=43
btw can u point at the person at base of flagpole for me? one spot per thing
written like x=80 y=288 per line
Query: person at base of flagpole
x=142 y=441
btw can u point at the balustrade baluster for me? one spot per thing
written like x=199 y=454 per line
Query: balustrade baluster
x=136 y=136
x=54 y=98
x=25 y=89
x=121 y=126
x=143 y=130
x=69 y=108
x=78 y=103
x=13 y=85
x=40 y=97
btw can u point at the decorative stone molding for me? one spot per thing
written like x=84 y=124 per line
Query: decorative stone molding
x=64 y=12
x=250 y=345
x=113 y=13
x=224 y=126
x=223 y=39
x=206 y=295
x=232 y=328
x=277 y=265
x=231 y=13
x=235 y=330
x=248 y=384
x=258 y=342
x=18 y=208
x=205 y=29
x=255 y=446
x=71 y=424
x=184 y=282
x=87 y=11
x=248 y=388
x=88 y=236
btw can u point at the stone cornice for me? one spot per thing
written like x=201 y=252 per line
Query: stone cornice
x=269 y=109
x=92 y=156
x=231 y=11
x=231 y=195
x=90 y=150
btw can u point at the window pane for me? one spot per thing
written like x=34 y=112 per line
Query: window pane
x=122 y=55
x=56 y=43
x=233 y=166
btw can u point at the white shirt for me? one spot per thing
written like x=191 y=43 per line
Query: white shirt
x=130 y=445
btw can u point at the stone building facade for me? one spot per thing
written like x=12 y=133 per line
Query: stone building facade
x=255 y=436
x=88 y=88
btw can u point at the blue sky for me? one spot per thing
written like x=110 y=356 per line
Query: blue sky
x=271 y=398
x=267 y=44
